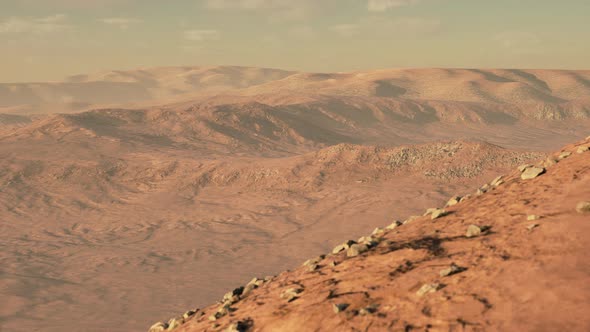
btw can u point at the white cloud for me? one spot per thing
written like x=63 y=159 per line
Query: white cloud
x=39 y=25
x=121 y=22
x=383 y=5
x=201 y=34
x=519 y=42
x=346 y=30
x=281 y=10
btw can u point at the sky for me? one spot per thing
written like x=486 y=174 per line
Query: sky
x=47 y=40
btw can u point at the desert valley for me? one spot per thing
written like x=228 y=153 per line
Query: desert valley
x=129 y=196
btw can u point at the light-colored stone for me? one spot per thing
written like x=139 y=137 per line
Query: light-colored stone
x=583 y=207
x=291 y=293
x=158 y=327
x=453 y=269
x=343 y=246
x=464 y=198
x=582 y=149
x=410 y=219
x=564 y=155
x=313 y=261
x=339 y=307
x=394 y=225
x=497 y=181
x=378 y=232
x=532 y=172
x=522 y=168
x=356 y=249
x=174 y=323
x=532 y=226
x=189 y=313
x=532 y=217
x=429 y=211
x=473 y=230
x=428 y=288
x=453 y=201
x=438 y=213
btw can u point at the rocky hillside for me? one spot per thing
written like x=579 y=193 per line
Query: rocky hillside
x=511 y=256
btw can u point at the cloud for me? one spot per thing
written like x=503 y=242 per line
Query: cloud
x=39 y=25
x=519 y=42
x=383 y=5
x=346 y=30
x=201 y=34
x=281 y=10
x=121 y=22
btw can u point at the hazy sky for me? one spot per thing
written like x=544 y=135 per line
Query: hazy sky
x=49 y=39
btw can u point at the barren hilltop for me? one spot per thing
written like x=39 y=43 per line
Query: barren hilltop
x=126 y=196
x=509 y=257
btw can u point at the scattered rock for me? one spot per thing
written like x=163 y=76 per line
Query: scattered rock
x=532 y=217
x=333 y=263
x=241 y=326
x=582 y=149
x=158 y=327
x=479 y=192
x=343 y=246
x=189 y=313
x=453 y=201
x=356 y=249
x=453 y=269
x=174 y=323
x=339 y=307
x=394 y=225
x=522 y=168
x=291 y=294
x=550 y=161
x=532 y=226
x=250 y=286
x=378 y=231
x=429 y=211
x=313 y=261
x=497 y=181
x=564 y=155
x=371 y=309
x=464 y=198
x=583 y=207
x=410 y=219
x=473 y=230
x=438 y=213
x=532 y=172
x=428 y=288
x=369 y=241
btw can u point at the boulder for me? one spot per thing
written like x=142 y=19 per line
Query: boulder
x=291 y=294
x=158 y=327
x=394 y=225
x=532 y=172
x=453 y=269
x=438 y=213
x=582 y=149
x=428 y=288
x=583 y=207
x=564 y=155
x=453 y=201
x=473 y=230
x=339 y=307
x=356 y=249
